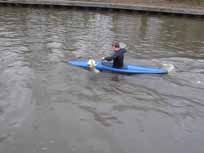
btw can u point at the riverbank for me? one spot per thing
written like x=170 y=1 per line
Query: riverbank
x=196 y=4
x=190 y=4
x=154 y=6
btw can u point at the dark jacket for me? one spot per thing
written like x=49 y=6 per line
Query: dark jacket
x=118 y=58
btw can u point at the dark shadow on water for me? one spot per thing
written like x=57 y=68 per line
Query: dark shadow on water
x=105 y=119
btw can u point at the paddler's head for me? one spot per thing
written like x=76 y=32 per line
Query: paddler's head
x=115 y=46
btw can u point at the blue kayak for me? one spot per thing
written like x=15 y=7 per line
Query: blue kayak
x=128 y=68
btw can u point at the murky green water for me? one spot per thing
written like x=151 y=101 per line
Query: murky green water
x=47 y=105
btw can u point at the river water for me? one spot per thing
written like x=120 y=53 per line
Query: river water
x=47 y=105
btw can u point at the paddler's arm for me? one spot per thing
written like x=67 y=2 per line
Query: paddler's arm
x=110 y=58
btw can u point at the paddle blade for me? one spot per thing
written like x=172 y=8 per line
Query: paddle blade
x=169 y=67
x=122 y=45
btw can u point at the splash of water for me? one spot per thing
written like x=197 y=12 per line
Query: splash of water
x=92 y=66
x=169 y=67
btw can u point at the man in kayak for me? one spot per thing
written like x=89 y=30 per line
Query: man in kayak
x=118 y=55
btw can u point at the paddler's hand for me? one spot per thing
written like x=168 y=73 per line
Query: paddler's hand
x=103 y=58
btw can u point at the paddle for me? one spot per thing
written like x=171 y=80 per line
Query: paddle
x=122 y=45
